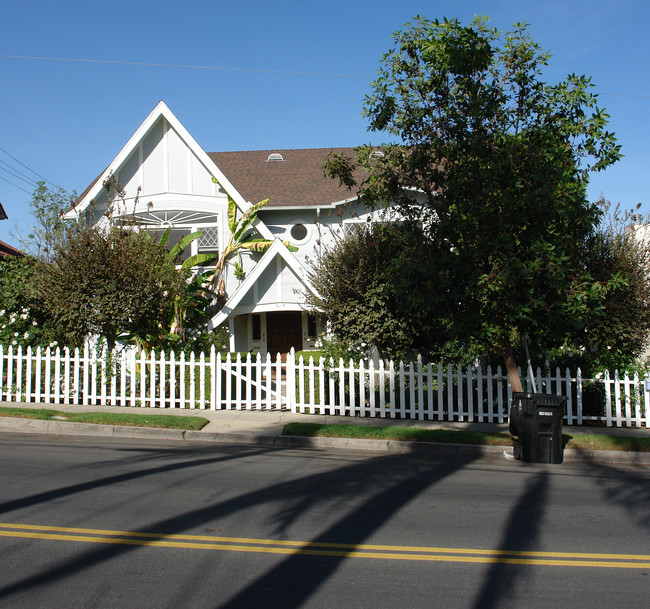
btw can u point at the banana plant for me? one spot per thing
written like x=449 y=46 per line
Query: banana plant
x=240 y=239
x=179 y=248
x=193 y=303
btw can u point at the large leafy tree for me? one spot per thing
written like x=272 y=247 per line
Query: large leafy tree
x=494 y=162
x=23 y=318
x=372 y=287
x=110 y=282
x=619 y=248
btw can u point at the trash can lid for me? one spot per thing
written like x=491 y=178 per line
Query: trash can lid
x=545 y=399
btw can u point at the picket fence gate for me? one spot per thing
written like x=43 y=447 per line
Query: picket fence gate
x=401 y=390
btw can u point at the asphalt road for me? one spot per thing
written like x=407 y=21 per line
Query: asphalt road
x=133 y=523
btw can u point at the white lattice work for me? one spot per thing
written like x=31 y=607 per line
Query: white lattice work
x=209 y=240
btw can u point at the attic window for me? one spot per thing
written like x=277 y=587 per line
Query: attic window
x=299 y=232
x=377 y=154
x=274 y=156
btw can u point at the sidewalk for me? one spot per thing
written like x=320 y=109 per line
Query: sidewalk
x=266 y=428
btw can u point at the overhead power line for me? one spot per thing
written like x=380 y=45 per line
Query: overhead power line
x=15 y=185
x=17 y=174
x=26 y=167
x=182 y=66
x=227 y=69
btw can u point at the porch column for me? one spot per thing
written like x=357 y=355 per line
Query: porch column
x=231 y=332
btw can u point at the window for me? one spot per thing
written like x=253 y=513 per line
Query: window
x=312 y=327
x=256 y=326
x=208 y=242
x=182 y=223
x=299 y=232
x=351 y=228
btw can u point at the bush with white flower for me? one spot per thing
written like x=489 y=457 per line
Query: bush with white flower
x=22 y=320
x=335 y=348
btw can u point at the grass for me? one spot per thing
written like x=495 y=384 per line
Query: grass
x=336 y=430
x=598 y=442
x=414 y=434
x=164 y=421
x=407 y=434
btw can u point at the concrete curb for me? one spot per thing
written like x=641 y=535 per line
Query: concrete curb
x=448 y=452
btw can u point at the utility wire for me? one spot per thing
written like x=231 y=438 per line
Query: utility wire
x=25 y=166
x=16 y=186
x=625 y=95
x=17 y=174
x=187 y=67
x=227 y=69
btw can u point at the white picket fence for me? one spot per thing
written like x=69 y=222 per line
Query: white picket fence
x=402 y=390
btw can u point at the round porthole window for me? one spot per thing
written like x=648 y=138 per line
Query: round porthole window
x=299 y=232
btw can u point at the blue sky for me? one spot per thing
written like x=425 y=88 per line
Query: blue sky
x=295 y=76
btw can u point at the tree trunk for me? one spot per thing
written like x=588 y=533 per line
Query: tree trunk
x=511 y=367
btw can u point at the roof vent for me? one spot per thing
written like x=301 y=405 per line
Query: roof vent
x=377 y=154
x=274 y=156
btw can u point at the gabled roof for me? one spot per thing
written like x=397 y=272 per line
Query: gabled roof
x=278 y=248
x=160 y=111
x=295 y=181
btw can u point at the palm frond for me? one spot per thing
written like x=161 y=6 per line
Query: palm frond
x=164 y=238
x=232 y=215
x=184 y=242
x=198 y=259
x=256 y=245
x=248 y=219
x=291 y=248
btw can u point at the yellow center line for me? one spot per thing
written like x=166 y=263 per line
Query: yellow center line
x=306 y=548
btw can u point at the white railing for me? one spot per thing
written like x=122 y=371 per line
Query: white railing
x=402 y=390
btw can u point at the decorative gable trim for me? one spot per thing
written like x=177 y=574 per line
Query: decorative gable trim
x=162 y=111
x=278 y=248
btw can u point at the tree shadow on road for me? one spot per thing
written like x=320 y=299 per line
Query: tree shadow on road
x=147 y=470
x=394 y=491
x=521 y=534
x=391 y=481
x=629 y=487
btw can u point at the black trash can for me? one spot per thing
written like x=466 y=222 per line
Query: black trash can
x=536 y=421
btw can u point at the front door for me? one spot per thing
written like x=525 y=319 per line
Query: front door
x=284 y=331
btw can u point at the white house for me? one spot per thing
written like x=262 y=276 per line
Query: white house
x=167 y=181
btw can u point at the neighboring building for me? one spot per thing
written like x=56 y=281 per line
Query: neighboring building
x=9 y=250
x=5 y=248
x=641 y=228
x=166 y=181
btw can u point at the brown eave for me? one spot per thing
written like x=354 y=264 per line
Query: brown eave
x=9 y=250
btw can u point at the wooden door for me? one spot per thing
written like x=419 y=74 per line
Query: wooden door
x=283 y=331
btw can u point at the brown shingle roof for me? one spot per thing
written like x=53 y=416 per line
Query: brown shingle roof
x=296 y=181
x=9 y=250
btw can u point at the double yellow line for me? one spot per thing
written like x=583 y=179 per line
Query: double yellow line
x=308 y=548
